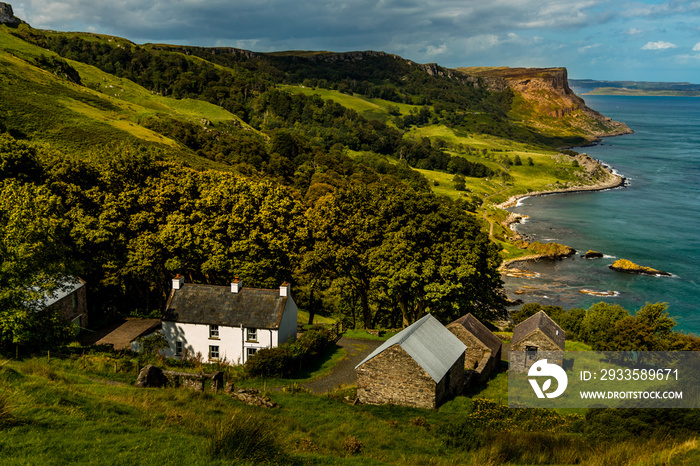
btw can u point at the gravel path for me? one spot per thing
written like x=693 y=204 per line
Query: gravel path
x=344 y=372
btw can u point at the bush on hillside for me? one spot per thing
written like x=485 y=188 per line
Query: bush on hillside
x=291 y=357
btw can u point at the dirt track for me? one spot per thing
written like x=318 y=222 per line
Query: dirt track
x=344 y=372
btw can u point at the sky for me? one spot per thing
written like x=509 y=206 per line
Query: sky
x=615 y=40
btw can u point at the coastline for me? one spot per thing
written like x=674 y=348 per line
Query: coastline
x=613 y=181
x=617 y=181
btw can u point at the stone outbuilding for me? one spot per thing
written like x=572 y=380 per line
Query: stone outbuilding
x=70 y=300
x=537 y=337
x=421 y=366
x=483 y=353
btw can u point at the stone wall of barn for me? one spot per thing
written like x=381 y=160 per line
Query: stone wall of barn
x=475 y=349
x=452 y=384
x=393 y=377
x=73 y=307
x=520 y=360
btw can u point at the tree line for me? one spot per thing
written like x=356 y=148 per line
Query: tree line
x=610 y=327
x=127 y=222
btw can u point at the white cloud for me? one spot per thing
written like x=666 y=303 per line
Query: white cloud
x=632 y=31
x=660 y=45
x=440 y=50
x=696 y=47
x=586 y=48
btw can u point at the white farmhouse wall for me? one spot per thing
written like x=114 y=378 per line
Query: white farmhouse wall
x=232 y=346
x=288 y=326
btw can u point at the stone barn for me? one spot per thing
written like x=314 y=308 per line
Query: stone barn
x=537 y=337
x=483 y=353
x=421 y=366
x=70 y=300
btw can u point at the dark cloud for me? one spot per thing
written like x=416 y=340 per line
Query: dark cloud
x=451 y=32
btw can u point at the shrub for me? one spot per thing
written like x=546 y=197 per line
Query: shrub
x=270 y=362
x=420 y=421
x=353 y=445
x=289 y=358
x=246 y=438
x=462 y=435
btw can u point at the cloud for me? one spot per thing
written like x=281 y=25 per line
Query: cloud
x=632 y=31
x=586 y=48
x=204 y=22
x=696 y=47
x=660 y=45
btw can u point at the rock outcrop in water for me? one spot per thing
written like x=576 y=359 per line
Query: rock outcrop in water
x=624 y=265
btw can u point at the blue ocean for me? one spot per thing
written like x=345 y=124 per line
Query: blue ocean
x=654 y=221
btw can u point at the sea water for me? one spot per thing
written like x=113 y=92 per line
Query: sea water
x=654 y=221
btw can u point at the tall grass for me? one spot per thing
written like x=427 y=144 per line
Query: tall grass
x=249 y=438
x=5 y=413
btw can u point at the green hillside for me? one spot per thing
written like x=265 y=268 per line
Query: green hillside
x=358 y=133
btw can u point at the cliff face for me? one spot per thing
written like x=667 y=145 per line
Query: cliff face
x=7 y=16
x=546 y=101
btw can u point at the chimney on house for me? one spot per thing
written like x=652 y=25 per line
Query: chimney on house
x=284 y=290
x=178 y=282
x=236 y=285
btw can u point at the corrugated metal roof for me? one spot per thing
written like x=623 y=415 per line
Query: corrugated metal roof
x=217 y=305
x=543 y=322
x=429 y=343
x=66 y=286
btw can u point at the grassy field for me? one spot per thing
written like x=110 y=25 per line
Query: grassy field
x=55 y=412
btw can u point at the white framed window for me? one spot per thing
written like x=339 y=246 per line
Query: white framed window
x=213 y=352
x=250 y=352
x=178 y=348
x=251 y=334
x=214 y=331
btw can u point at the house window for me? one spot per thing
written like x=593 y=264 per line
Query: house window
x=250 y=352
x=178 y=348
x=251 y=334
x=214 y=331
x=213 y=352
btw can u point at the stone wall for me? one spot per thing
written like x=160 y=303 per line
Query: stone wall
x=73 y=306
x=520 y=360
x=197 y=382
x=452 y=384
x=393 y=377
x=477 y=357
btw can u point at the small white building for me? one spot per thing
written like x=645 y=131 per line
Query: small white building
x=227 y=324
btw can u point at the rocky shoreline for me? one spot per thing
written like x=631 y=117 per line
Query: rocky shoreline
x=612 y=181
x=617 y=181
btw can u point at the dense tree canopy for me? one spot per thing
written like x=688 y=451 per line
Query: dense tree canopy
x=127 y=222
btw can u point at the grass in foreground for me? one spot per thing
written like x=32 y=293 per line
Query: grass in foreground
x=55 y=413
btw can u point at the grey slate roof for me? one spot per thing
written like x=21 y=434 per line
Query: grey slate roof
x=217 y=305
x=479 y=330
x=543 y=322
x=429 y=343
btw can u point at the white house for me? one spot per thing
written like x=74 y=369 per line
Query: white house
x=227 y=324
